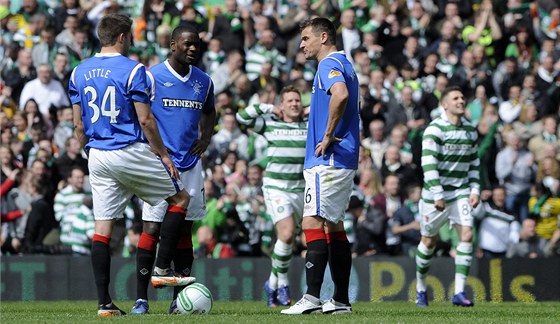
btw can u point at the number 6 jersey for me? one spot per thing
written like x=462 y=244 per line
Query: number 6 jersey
x=107 y=97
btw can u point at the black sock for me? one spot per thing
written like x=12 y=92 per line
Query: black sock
x=340 y=262
x=183 y=261
x=101 y=263
x=315 y=264
x=169 y=236
x=144 y=264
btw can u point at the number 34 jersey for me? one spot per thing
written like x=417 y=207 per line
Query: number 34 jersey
x=106 y=87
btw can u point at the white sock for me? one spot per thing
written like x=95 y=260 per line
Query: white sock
x=463 y=260
x=423 y=260
x=281 y=258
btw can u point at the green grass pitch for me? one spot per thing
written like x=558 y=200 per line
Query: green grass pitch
x=257 y=312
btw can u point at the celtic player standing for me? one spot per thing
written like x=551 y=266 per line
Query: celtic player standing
x=451 y=190
x=283 y=183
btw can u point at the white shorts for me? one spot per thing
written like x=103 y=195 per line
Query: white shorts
x=282 y=204
x=194 y=185
x=116 y=175
x=327 y=192
x=458 y=212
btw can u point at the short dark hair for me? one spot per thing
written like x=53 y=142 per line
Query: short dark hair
x=320 y=25
x=448 y=90
x=183 y=29
x=111 y=26
x=288 y=88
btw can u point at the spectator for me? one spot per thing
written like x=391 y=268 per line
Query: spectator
x=376 y=143
x=77 y=228
x=393 y=165
x=209 y=247
x=70 y=159
x=230 y=27
x=530 y=245
x=228 y=71
x=69 y=200
x=42 y=228
x=213 y=57
x=64 y=130
x=549 y=136
x=528 y=125
x=406 y=221
x=19 y=74
x=229 y=137
x=498 y=229
x=485 y=31
x=60 y=70
x=515 y=171
x=388 y=203
x=348 y=36
x=510 y=109
x=545 y=209
x=67 y=36
x=46 y=91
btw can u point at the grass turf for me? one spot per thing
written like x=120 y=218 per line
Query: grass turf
x=257 y=312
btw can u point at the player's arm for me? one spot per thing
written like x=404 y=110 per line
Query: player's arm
x=79 y=131
x=431 y=146
x=337 y=106
x=252 y=116
x=474 y=177
x=206 y=125
x=149 y=127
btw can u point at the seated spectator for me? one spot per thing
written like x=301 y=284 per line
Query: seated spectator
x=406 y=221
x=530 y=245
x=498 y=229
x=209 y=247
x=510 y=109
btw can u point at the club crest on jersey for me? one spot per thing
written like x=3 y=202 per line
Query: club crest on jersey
x=197 y=87
x=334 y=73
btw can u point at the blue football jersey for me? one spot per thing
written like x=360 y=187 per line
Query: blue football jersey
x=177 y=103
x=106 y=87
x=334 y=68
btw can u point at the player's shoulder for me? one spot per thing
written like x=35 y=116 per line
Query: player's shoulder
x=200 y=74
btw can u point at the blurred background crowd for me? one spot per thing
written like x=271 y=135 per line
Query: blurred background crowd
x=505 y=55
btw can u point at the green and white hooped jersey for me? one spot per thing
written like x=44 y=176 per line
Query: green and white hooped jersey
x=286 y=147
x=449 y=160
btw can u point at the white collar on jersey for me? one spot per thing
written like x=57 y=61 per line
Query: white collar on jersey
x=107 y=54
x=177 y=75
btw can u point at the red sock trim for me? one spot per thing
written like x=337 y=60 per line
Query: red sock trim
x=176 y=209
x=337 y=236
x=101 y=238
x=185 y=242
x=148 y=242
x=314 y=235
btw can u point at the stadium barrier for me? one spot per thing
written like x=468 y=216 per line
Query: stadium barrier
x=373 y=279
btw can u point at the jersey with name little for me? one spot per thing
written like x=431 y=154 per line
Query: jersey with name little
x=106 y=87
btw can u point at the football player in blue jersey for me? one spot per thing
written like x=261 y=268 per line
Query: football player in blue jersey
x=113 y=120
x=331 y=160
x=183 y=103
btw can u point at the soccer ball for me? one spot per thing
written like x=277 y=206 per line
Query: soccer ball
x=194 y=299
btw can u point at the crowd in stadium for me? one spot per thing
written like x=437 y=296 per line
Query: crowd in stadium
x=505 y=55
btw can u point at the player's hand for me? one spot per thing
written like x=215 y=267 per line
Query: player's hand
x=170 y=166
x=200 y=146
x=439 y=204
x=473 y=200
x=321 y=147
